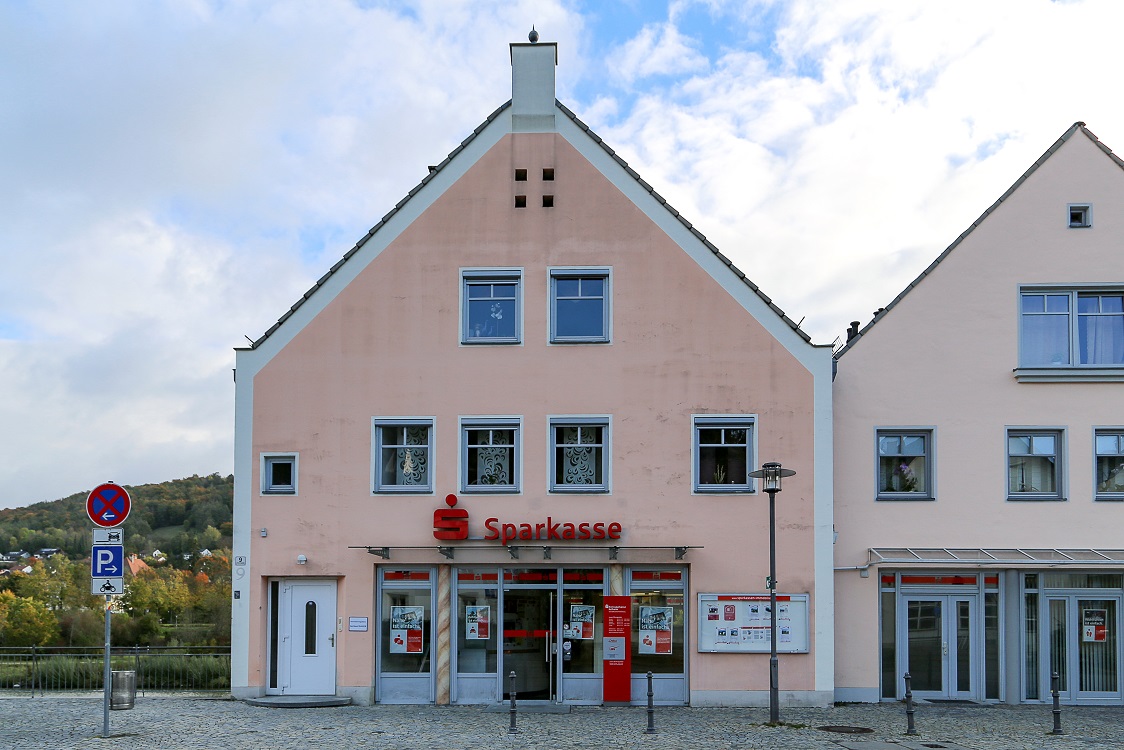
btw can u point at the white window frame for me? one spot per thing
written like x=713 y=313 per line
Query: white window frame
x=479 y=276
x=701 y=422
x=1086 y=210
x=927 y=433
x=584 y=272
x=603 y=421
x=1073 y=369
x=1058 y=433
x=1105 y=432
x=377 y=487
x=515 y=424
x=267 y=461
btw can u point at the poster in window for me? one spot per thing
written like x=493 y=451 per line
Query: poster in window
x=655 y=630
x=406 y=625
x=1094 y=625
x=581 y=622
x=477 y=622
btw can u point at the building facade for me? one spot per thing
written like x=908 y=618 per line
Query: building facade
x=979 y=471
x=512 y=431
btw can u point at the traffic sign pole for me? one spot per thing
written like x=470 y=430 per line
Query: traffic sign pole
x=108 y=506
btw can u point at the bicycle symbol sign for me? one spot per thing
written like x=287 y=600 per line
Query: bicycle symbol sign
x=108 y=505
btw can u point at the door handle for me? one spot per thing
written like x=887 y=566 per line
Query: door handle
x=332 y=640
x=944 y=648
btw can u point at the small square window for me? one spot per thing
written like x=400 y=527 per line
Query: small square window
x=1080 y=215
x=491 y=303
x=904 y=465
x=548 y=201
x=402 y=450
x=548 y=174
x=579 y=305
x=1110 y=464
x=723 y=454
x=1034 y=465
x=490 y=456
x=279 y=474
x=521 y=175
x=520 y=201
x=579 y=454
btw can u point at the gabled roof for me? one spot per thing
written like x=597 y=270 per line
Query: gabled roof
x=434 y=171
x=1075 y=128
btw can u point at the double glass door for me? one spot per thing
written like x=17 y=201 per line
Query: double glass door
x=940 y=642
x=1083 y=646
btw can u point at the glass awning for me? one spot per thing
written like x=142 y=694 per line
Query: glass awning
x=993 y=557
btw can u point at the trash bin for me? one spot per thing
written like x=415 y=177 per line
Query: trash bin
x=123 y=690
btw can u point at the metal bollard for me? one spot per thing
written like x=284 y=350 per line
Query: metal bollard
x=1055 y=681
x=910 y=729
x=651 y=709
x=511 y=727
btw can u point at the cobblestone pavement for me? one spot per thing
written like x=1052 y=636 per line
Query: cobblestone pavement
x=75 y=721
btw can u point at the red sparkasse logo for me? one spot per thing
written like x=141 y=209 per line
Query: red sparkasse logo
x=452 y=523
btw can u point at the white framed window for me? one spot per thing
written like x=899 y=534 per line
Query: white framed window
x=490 y=449
x=1109 y=463
x=724 y=453
x=579 y=454
x=1034 y=464
x=1071 y=328
x=579 y=305
x=491 y=305
x=402 y=455
x=1080 y=215
x=905 y=460
x=279 y=473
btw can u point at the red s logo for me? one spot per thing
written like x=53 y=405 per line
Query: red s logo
x=450 y=523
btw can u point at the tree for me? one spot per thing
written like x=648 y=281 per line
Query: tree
x=29 y=623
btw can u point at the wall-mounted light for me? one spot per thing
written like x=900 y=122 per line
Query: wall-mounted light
x=302 y=560
x=264 y=533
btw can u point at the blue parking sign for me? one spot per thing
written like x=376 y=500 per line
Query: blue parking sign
x=107 y=561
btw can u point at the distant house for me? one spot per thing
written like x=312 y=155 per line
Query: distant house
x=135 y=565
x=47 y=552
x=205 y=553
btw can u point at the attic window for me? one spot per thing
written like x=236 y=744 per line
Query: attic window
x=548 y=201
x=1080 y=215
x=548 y=174
x=520 y=201
x=521 y=175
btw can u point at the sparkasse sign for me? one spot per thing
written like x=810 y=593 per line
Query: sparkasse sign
x=452 y=523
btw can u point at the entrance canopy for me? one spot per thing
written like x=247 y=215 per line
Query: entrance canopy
x=995 y=558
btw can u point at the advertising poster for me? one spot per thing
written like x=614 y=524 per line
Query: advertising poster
x=616 y=675
x=1094 y=625
x=406 y=625
x=477 y=622
x=655 y=630
x=581 y=622
x=740 y=623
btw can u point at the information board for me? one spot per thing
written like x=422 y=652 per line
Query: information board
x=739 y=623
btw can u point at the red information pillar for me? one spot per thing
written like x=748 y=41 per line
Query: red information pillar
x=617 y=674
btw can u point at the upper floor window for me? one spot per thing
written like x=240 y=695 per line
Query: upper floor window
x=724 y=453
x=904 y=464
x=579 y=454
x=1080 y=215
x=279 y=474
x=402 y=455
x=489 y=455
x=491 y=302
x=1034 y=464
x=579 y=305
x=1110 y=464
x=1072 y=328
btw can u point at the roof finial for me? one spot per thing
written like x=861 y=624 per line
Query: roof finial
x=534 y=35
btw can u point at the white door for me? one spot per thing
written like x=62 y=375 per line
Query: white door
x=307 y=652
x=940 y=641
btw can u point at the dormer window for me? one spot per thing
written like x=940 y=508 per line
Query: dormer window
x=1080 y=215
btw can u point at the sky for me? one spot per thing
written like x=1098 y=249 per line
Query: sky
x=175 y=174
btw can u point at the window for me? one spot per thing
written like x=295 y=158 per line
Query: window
x=579 y=305
x=1080 y=215
x=279 y=474
x=402 y=455
x=1110 y=464
x=490 y=456
x=904 y=464
x=1034 y=465
x=1072 y=328
x=490 y=307
x=724 y=454
x=579 y=454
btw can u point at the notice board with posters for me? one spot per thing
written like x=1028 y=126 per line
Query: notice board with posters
x=739 y=623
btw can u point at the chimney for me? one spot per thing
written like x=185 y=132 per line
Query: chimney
x=853 y=331
x=532 y=85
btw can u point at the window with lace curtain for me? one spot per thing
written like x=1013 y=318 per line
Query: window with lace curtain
x=489 y=455
x=579 y=454
x=402 y=455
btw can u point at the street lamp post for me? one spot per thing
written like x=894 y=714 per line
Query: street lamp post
x=771 y=474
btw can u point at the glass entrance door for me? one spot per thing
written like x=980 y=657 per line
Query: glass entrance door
x=530 y=639
x=1083 y=647
x=940 y=643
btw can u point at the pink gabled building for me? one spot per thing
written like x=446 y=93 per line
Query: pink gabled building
x=979 y=432
x=532 y=391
